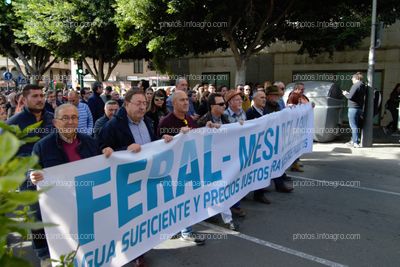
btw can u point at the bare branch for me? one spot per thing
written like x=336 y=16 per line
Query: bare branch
x=94 y=74
x=49 y=65
x=111 y=67
x=22 y=57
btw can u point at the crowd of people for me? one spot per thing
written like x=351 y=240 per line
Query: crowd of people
x=79 y=124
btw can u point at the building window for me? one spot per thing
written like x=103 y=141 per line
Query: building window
x=138 y=66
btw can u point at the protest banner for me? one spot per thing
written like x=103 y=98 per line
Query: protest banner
x=118 y=208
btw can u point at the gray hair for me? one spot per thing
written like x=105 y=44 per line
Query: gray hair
x=111 y=102
x=61 y=107
x=178 y=80
x=256 y=93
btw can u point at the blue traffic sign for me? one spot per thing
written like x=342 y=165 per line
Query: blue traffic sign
x=21 y=79
x=7 y=76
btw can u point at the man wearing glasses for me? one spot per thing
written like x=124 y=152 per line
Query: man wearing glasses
x=214 y=118
x=128 y=130
x=63 y=146
x=216 y=105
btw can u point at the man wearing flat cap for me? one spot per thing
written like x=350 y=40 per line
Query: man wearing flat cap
x=234 y=111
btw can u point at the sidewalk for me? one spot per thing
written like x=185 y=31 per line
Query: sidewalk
x=385 y=146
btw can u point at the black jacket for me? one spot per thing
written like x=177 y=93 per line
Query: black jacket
x=271 y=107
x=51 y=153
x=99 y=125
x=25 y=118
x=252 y=113
x=116 y=133
x=96 y=105
x=208 y=117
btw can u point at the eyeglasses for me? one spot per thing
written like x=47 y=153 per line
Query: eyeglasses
x=220 y=104
x=143 y=103
x=67 y=118
x=159 y=99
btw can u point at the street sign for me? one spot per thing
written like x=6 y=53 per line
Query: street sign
x=21 y=79
x=7 y=76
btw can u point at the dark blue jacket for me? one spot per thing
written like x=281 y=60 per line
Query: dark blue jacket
x=99 y=125
x=271 y=107
x=252 y=113
x=51 y=153
x=96 y=105
x=116 y=133
x=26 y=118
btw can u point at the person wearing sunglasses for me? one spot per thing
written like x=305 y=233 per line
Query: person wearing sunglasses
x=216 y=107
x=214 y=118
x=157 y=108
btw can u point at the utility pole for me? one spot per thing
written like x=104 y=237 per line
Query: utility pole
x=367 y=131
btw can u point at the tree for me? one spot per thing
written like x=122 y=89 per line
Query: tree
x=12 y=173
x=15 y=44
x=248 y=26
x=78 y=29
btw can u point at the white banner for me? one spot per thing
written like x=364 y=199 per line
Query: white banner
x=118 y=208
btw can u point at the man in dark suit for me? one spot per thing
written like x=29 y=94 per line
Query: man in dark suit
x=256 y=111
x=62 y=146
x=129 y=128
x=96 y=104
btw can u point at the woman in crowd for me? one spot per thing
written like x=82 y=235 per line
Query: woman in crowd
x=203 y=107
x=222 y=90
x=293 y=100
x=392 y=105
x=296 y=99
x=157 y=108
x=149 y=95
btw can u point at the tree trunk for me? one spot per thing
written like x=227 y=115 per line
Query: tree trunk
x=240 y=75
x=98 y=72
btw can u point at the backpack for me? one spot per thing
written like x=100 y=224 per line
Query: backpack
x=377 y=101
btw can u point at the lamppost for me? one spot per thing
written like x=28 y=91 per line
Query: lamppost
x=367 y=131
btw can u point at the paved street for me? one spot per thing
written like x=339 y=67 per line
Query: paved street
x=285 y=232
